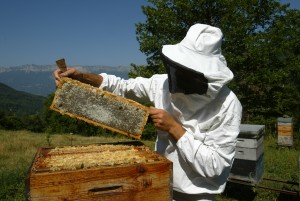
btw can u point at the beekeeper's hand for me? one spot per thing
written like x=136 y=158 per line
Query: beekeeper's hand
x=165 y=122
x=58 y=74
x=88 y=78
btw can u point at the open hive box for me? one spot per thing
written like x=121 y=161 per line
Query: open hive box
x=112 y=171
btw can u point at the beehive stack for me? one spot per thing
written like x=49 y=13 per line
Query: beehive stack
x=100 y=108
x=122 y=171
x=285 y=131
x=248 y=165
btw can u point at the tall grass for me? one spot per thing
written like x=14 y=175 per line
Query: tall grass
x=18 y=148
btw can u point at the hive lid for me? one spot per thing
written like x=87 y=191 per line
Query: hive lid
x=285 y=119
x=251 y=130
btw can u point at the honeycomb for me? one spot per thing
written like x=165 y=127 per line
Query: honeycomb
x=89 y=156
x=101 y=108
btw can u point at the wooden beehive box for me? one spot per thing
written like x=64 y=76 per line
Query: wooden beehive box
x=285 y=131
x=116 y=171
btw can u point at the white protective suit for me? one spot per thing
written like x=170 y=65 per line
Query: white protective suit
x=203 y=156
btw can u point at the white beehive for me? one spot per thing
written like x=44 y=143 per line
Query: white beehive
x=249 y=157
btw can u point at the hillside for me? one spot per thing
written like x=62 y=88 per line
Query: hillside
x=19 y=102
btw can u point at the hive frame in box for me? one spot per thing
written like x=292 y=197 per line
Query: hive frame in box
x=100 y=108
x=140 y=182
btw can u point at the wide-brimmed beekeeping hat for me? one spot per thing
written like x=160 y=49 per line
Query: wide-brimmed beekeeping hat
x=200 y=51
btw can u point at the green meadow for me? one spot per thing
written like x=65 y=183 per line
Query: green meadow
x=18 y=148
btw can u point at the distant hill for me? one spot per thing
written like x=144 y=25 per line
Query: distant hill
x=38 y=79
x=18 y=102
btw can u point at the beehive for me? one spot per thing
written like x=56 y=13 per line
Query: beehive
x=248 y=165
x=100 y=108
x=122 y=171
x=250 y=142
x=285 y=131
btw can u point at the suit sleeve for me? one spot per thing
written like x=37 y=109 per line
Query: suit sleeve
x=138 y=89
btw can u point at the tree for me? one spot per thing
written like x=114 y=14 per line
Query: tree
x=284 y=45
x=11 y=122
x=250 y=46
x=33 y=123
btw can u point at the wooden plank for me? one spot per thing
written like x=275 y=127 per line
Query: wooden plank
x=285 y=130
x=139 y=182
x=61 y=64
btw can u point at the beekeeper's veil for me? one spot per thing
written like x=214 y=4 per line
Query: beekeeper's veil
x=196 y=64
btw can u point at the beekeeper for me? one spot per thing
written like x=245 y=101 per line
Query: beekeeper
x=196 y=115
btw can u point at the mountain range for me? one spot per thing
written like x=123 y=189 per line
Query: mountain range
x=38 y=79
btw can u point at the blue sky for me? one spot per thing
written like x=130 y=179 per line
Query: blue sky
x=85 y=32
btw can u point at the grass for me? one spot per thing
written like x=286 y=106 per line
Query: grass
x=17 y=150
x=280 y=163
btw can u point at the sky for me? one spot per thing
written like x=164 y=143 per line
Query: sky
x=84 y=32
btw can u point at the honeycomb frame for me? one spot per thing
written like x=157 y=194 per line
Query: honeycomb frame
x=100 y=108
